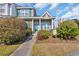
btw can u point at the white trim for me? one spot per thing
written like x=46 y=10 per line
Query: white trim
x=47 y=13
x=34 y=17
x=32 y=25
x=52 y=21
x=24 y=7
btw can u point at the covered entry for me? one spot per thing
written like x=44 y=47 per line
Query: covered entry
x=36 y=25
x=44 y=25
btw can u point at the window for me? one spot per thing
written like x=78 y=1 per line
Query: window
x=2 y=6
x=2 y=9
x=24 y=12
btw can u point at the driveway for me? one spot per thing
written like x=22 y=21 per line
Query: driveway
x=25 y=49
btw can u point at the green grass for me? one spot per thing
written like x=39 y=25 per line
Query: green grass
x=6 y=50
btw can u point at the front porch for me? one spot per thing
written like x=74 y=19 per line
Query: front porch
x=41 y=24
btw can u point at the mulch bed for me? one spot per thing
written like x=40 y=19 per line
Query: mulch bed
x=57 y=40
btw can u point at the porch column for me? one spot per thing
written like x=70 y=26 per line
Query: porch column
x=32 y=25
x=52 y=23
x=39 y=24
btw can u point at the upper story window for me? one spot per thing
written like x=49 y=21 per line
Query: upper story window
x=2 y=9
x=2 y=6
x=24 y=12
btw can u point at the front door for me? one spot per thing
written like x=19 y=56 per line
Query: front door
x=36 y=27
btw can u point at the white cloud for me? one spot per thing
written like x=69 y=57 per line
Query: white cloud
x=53 y=6
x=60 y=11
x=68 y=14
x=39 y=5
x=73 y=14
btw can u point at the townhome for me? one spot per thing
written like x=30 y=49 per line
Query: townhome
x=36 y=23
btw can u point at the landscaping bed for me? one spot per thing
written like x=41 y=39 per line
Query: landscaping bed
x=54 y=47
x=13 y=32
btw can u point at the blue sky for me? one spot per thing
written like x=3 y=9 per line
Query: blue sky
x=58 y=10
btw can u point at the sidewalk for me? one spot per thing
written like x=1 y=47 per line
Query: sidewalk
x=76 y=53
x=25 y=48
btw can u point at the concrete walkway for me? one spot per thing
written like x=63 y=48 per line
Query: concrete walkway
x=76 y=53
x=25 y=49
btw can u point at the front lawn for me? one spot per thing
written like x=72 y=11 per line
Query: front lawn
x=6 y=50
x=54 y=47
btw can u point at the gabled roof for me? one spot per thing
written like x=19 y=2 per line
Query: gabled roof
x=46 y=14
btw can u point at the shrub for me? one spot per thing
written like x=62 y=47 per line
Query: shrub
x=43 y=34
x=54 y=33
x=77 y=21
x=28 y=31
x=67 y=29
x=11 y=30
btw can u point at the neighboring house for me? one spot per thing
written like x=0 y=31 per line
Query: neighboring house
x=33 y=21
